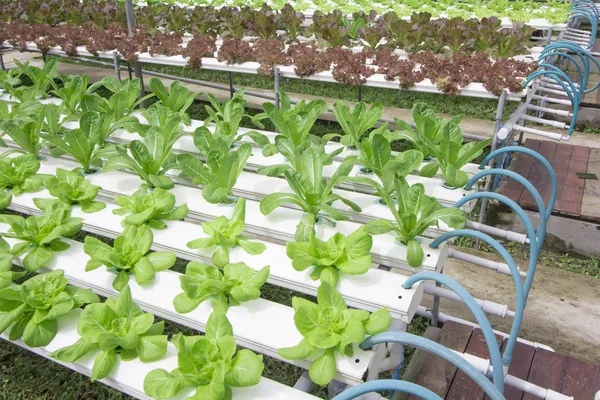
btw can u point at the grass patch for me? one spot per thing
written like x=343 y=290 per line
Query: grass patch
x=453 y=105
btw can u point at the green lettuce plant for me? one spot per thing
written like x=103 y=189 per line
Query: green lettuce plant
x=428 y=128
x=178 y=98
x=228 y=110
x=121 y=103
x=294 y=122
x=149 y=207
x=42 y=80
x=294 y=156
x=151 y=157
x=19 y=113
x=26 y=134
x=227 y=117
x=71 y=188
x=312 y=193
x=209 y=363
x=72 y=91
x=41 y=236
x=226 y=234
x=356 y=122
x=53 y=123
x=329 y=327
x=10 y=79
x=128 y=256
x=6 y=263
x=375 y=154
x=117 y=326
x=413 y=213
x=34 y=307
x=237 y=283
x=219 y=174
x=86 y=143
x=451 y=154
x=340 y=253
x=18 y=174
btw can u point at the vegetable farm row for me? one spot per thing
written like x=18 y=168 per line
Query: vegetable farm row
x=420 y=33
x=63 y=201
x=379 y=68
x=547 y=12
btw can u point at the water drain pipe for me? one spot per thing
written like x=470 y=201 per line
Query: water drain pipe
x=484 y=365
x=425 y=312
x=489 y=307
x=482 y=262
x=520 y=238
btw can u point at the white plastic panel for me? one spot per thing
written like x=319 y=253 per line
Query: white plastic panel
x=128 y=376
x=279 y=225
x=370 y=291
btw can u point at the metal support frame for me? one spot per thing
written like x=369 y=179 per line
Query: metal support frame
x=2 y=66
x=117 y=66
x=231 y=88
x=276 y=84
x=137 y=67
x=488 y=184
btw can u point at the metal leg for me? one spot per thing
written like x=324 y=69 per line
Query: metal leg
x=304 y=384
x=549 y=35
x=130 y=14
x=231 y=90
x=435 y=310
x=117 y=66
x=276 y=76
x=488 y=185
x=129 y=71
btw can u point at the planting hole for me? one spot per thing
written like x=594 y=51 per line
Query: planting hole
x=357 y=361
x=400 y=297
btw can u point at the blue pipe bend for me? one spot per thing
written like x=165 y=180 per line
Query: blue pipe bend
x=430 y=346
x=520 y=292
x=486 y=328
x=387 y=384
x=511 y=174
x=537 y=156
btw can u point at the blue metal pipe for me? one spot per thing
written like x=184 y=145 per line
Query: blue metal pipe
x=520 y=293
x=429 y=345
x=554 y=68
x=533 y=240
x=582 y=76
x=538 y=157
x=486 y=328
x=541 y=231
x=573 y=96
x=387 y=384
x=580 y=51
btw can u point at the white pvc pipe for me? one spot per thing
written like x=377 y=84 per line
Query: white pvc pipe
x=551 y=135
x=565 y=102
x=489 y=307
x=562 y=113
x=485 y=366
x=555 y=124
x=501 y=233
x=424 y=312
x=483 y=262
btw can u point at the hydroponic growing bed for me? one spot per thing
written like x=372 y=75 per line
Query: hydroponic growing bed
x=326 y=216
